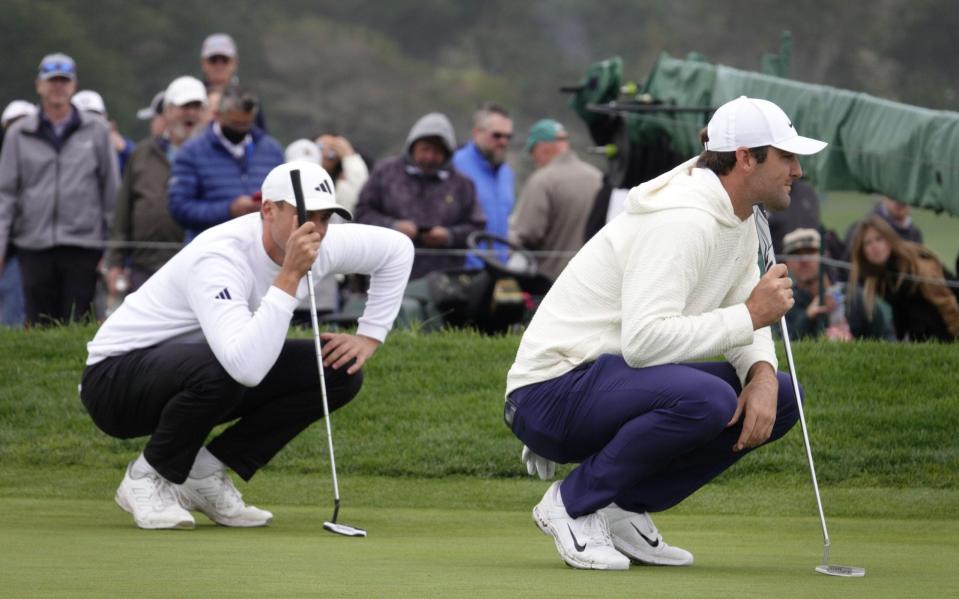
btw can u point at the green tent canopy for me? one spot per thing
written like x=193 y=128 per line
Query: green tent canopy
x=875 y=145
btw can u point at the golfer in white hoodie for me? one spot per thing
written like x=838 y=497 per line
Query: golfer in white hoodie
x=604 y=373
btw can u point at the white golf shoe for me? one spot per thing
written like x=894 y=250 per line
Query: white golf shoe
x=217 y=498
x=152 y=501
x=582 y=542
x=636 y=536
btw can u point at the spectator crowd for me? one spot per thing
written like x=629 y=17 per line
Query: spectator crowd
x=87 y=215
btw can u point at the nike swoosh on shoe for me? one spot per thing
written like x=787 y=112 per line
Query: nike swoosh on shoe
x=576 y=544
x=651 y=542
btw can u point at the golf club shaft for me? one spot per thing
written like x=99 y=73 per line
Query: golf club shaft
x=296 y=182
x=769 y=259
x=326 y=405
x=805 y=437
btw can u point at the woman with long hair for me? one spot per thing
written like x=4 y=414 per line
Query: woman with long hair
x=909 y=277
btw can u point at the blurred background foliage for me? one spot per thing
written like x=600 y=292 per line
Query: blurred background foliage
x=368 y=68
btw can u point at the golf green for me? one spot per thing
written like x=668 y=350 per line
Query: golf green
x=89 y=548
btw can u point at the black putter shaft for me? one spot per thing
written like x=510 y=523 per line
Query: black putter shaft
x=301 y=213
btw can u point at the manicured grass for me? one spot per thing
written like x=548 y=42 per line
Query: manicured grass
x=82 y=548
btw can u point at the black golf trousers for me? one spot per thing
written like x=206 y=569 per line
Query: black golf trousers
x=177 y=394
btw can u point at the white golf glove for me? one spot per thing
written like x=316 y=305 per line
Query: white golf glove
x=538 y=465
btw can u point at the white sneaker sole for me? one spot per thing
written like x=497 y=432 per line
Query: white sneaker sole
x=183 y=524
x=571 y=559
x=644 y=559
x=234 y=522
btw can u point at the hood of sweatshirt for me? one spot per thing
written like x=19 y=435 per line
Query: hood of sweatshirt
x=434 y=124
x=684 y=187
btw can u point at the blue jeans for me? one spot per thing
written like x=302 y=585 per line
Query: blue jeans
x=645 y=438
x=11 y=294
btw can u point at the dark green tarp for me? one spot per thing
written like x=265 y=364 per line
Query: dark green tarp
x=875 y=145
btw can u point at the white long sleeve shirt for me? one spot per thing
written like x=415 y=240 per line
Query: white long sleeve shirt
x=219 y=290
x=664 y=282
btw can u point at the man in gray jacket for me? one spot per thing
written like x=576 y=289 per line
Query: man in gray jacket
x=58 y=184
x=556 y=201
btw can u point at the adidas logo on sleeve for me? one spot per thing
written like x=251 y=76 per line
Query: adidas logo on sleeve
x=224 y=295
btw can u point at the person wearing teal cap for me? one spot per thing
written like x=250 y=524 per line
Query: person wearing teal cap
x=557 y=198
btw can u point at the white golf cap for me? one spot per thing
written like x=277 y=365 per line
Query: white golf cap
x=218 y=44
x=752 y=123
x=89 y=101
x=318 y=191
x=154 y=109
x=15 y=110
x=184 y=90
x=303 y=149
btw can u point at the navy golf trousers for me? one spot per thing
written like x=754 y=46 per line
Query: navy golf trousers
x=178 y=392
x=645 y=438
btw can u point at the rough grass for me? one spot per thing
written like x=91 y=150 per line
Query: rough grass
x=879 y=414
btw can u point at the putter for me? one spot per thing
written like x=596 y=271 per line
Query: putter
x=332 y=526
x=769 y=259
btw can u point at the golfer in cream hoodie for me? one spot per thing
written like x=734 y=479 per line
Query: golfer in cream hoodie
x=604 y=373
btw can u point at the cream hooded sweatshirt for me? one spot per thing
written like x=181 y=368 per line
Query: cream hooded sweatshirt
x=664 y=282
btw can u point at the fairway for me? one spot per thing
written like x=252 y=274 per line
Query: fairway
x=63 y=548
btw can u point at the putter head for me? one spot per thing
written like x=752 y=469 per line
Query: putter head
x=344 y=529
x=847 y=571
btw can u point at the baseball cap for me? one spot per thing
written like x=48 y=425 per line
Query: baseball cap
x=303 y=149
x=545 y=130
x=318 y=191
x=15 y=110
x=184 y=90
x=57 y=65
x=752 y=123
x=154 y=109
x=218 y=44
x=801 y=239
x=89 y=101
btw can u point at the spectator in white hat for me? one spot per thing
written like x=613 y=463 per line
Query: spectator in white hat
x=142 y=207
x=302 y=149
x=58 y=256
x=11 y=289
x=90 y=101
x=154 y=113
x=219 y=60
x=607 y=373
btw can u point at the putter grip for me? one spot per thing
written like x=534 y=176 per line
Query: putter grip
x=298 y=194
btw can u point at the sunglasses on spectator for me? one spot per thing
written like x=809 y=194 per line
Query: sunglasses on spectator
x=57 y=67
x=501 y=135
x=219 y=58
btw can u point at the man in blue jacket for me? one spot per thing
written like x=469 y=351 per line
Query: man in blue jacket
x=483 y=161
x=218 y=176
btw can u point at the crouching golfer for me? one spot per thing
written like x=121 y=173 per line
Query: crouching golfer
x=602 y=376
x=203 y=342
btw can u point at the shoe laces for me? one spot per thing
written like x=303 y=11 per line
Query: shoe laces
x=596 y=530
x=228 y=498
x=161 y=494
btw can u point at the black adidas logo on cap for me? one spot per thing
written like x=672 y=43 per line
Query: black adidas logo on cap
x=325 y=187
